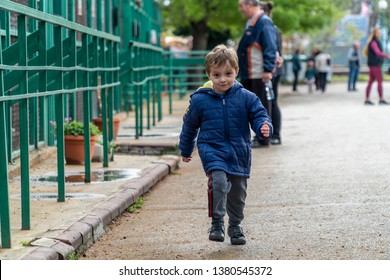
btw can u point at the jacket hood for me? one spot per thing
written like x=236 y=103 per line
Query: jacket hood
x=208 y=88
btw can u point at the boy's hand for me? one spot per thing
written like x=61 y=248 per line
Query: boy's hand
x=265 y=129
x=186 y=159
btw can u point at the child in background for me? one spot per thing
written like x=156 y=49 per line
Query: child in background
x=219 y=119
x=310 y=75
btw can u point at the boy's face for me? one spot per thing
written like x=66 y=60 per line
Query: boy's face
x=222 y=77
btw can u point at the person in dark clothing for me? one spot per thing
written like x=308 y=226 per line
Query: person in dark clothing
x=219 y=120
x=257 y=54
x=316 y=51
x=353 y=66
x=296 y=67
x=276 y=115
x=375 y=56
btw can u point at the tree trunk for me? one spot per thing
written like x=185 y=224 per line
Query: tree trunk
x=200 y=34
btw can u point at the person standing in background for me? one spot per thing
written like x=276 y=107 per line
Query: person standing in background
x=322 y=66
x=316 y=51
x=375 y=56
x=257 y=53
x=296 y=67
x=354 y=66
x=310 y=74
x=276 y=115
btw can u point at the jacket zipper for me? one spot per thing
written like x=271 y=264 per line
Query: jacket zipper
x=225 y=118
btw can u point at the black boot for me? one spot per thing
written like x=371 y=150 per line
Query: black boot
x=217 y=232
x=236 y=235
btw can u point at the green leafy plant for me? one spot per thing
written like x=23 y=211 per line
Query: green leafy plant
x=136 y=205
x=25 y=243
x=73 y=256
x=77 y=128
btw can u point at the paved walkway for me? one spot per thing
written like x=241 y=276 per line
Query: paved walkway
x=323 y=194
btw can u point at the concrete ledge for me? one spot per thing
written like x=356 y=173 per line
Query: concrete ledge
x=71 y=237
x=102 y=214
x=42 y=253
x=86 y=231
x=96 y=224
x=63 y=250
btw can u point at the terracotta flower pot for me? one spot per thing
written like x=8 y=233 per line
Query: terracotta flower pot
x=116 y=121
x=74 y=148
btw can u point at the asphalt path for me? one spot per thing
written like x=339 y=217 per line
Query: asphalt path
x=322 y=195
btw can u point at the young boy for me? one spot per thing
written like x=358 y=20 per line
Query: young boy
x=310 y=75
x=219 y=118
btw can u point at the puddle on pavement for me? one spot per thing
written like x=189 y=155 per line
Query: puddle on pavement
x=41 y=196
x=97 y=176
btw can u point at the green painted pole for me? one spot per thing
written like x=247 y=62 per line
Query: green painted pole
x=34 y=120
x=73 y=74
x=86 y=113
x=89 y=15
x=103 y=104
x=46 y=6
x=171 y=80
x=110 y=96
x=6 y=23
x=73 y=60
x=59 y=107
x=47 y=127
x=64 y=14
x=4 y=195
x=24 y=125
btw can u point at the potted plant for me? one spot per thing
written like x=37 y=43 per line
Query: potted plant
x=99 y=121
x=74 y=141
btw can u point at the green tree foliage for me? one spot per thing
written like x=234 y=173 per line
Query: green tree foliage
x=304 y=16
x=292 y=16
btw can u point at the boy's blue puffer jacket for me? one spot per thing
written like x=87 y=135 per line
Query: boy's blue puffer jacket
x=221 y=125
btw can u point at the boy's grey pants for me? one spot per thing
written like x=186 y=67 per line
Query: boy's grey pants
x=226 y=194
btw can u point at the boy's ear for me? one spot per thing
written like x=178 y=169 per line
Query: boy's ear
x=238 y=69
x=208 y=75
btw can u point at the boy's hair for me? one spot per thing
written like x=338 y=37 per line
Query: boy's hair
x=221 y=55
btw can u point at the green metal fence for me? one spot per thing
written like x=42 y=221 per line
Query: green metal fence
x=184 y=71
x=49 y=65
x=44 y=63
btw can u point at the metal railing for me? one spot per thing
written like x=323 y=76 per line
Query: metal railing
x=49 y=66
x=184 y=71
x=42 y=69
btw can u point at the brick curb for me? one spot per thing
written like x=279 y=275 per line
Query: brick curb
x=85 y=232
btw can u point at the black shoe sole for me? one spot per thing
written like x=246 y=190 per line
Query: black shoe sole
x=238 y=242
x=217 y=238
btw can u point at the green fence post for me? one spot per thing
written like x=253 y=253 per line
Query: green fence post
x=110 y=92
x=4 y=195
x=45 y=123
x=72 y=60
x=73 y=74
x=59 y=107
x=103 y=102
x=24 y=124
x=171 y=80
x=8 y=109
x=86 y=110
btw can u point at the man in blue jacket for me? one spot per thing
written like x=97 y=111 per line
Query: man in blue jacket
x=257 y=53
